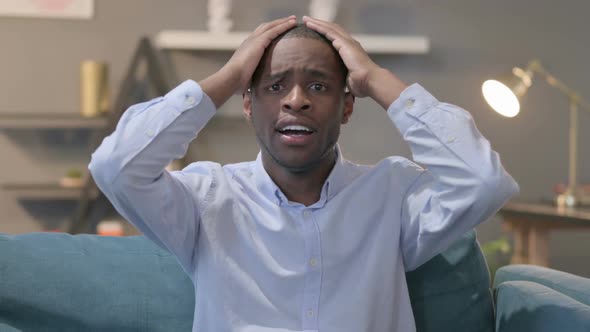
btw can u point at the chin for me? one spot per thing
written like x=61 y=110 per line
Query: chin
x=300 y=163
x=301 y=168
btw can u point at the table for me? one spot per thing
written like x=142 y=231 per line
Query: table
x=531 y=224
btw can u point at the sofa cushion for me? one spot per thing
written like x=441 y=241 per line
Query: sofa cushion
x=451 y=292
x=60 y=282
x=528 y=306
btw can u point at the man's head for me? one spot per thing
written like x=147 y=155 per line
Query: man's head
x=301 y=31
x=297 y=100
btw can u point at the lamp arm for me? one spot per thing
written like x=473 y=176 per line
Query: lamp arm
x=571 y=196
x=536 y=67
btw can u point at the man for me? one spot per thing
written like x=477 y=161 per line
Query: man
x=301 y=239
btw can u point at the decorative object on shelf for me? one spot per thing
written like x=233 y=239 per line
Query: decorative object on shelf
x=109 y=228
x=504 y=95
x=72 y=179
x=582 y=188
x=325 y=10
x=219 y=20
x=94 y=90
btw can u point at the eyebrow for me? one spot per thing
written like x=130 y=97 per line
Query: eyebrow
x=312 y=72
x=317 y=73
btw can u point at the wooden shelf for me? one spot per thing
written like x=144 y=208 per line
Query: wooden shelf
x=43 y=191
x=204 y=40
x=50 y=121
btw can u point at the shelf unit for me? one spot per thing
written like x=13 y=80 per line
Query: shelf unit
x=208 y=41
x=144 y=77
x=44 y=191
x=41 y=121
x=50 y=121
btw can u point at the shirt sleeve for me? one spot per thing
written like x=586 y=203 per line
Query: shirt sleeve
x=129 y=168
x=463 y=182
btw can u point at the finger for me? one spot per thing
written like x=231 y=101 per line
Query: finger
x=327 y=25
x=328 y=32
x=333 y=25
x=269 y=25
x=275 y=31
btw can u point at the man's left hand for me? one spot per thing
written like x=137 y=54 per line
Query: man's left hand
x=365 y=77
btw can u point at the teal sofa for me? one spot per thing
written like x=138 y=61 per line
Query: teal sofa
x=60 y=282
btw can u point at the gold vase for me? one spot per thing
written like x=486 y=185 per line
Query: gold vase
x=94 y=91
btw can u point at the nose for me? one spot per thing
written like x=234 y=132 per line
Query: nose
x=296 y=100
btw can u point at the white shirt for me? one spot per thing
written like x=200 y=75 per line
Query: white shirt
x=260 y=263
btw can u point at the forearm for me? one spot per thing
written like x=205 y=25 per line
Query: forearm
x=384 y=87
x=221 y=85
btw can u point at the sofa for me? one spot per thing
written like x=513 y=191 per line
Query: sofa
x=62 y=282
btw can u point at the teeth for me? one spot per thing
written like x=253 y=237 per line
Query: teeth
x=296 y=127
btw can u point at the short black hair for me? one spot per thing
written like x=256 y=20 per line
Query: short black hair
x=302 y=31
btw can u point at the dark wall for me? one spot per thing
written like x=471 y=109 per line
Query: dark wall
x=471 y=41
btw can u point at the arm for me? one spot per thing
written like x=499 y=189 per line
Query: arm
x=129 y=165
x=129 y=168
x=463 y=183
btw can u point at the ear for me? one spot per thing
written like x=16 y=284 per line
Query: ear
x=247 y=104
x=348 y=107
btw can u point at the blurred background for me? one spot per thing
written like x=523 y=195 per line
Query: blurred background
x=470 y=41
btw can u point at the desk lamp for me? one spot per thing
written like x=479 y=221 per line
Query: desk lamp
x=504 y=96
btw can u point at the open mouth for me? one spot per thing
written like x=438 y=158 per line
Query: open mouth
x=296 y=135
x=295 y=130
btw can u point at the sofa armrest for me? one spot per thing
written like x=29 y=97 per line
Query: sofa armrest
x=576 y=287
x=528 y=306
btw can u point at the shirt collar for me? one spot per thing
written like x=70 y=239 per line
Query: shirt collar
x=337 y=178
x=333 y=184
x=263 y=181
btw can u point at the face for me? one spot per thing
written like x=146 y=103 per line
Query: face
x=297 y=103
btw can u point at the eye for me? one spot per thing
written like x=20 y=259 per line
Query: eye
x=318 y=87
x=275 y=87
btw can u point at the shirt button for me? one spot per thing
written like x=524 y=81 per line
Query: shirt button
x=309 y=313
x=150 y=132
x=410 y=102
x=306 y=214
x=451 y=140
x=190 y=100
x=313 y=262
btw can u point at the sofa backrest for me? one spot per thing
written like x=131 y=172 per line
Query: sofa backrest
x=60 y=282
x=451 y=292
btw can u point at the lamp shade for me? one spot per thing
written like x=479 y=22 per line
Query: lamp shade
x=504 y=95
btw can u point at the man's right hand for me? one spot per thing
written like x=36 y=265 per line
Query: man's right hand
x=235 y=75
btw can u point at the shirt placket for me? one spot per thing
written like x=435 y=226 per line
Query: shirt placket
x=313 y=275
